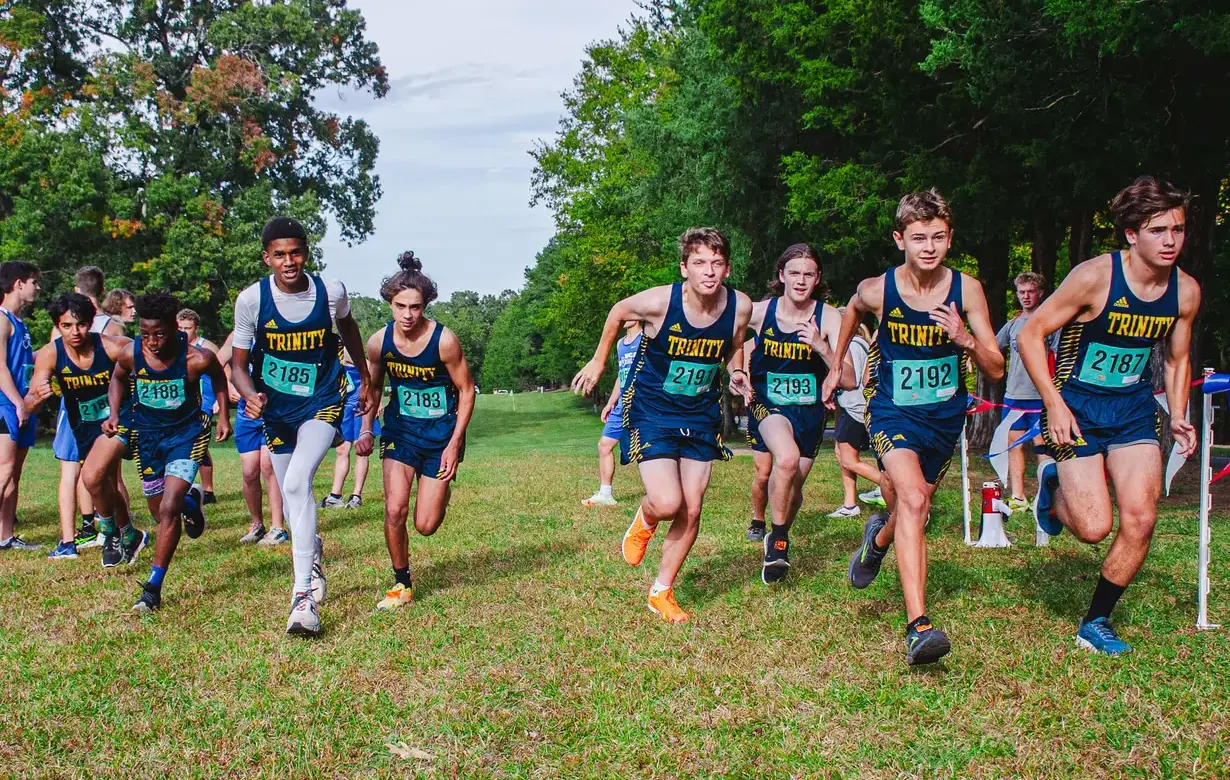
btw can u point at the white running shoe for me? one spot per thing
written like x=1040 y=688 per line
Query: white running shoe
x=872 y=497
x=319 y=586
x=846 y=511
x=253 y=535
x=598 y=499
x=304 y=616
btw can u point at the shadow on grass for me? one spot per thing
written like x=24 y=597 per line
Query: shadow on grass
x=1062 y=583
x=486 y=566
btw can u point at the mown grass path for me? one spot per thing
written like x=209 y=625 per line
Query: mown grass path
x=529 y=651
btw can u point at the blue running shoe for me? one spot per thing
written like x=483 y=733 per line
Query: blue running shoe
x=1098 y=635
x=1048 y=483
x=64 y=551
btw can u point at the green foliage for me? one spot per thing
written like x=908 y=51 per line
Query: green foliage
x=154 y=139
x=470 y=317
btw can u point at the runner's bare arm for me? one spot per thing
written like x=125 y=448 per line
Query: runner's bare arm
x=366 y=441
x=459 y=371
x=40 y=383
x=741 y=356
x=7 y=385
x=242 y=380
x=648 y=306
x=979 y=341
x=869 y=297
x=830 y=335
x=1179 y=366
x=115 y=392
x=205 y=363
x=348 y=329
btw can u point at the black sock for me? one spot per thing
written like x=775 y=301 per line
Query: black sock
x=1105 y=596
x=921 y=620
x=402 y=576
x=338 y=496
x=757 y=523
x=87 y=520
x=780 y=532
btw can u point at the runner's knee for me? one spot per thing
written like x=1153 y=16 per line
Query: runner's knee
x=913 y=502
x=663 y=507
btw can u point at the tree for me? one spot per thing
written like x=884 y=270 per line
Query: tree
x=471 y=317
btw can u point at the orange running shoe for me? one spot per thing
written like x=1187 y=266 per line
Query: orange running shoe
x=636 y=539
x=664 y=604
x=395 y=597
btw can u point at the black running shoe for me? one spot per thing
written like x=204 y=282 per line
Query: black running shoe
x=755 y=531
x=87 y=536
x=924 y=643
x=150 y=601
x=194 y=519
x=865 y=563
x=776 y=558
x=112 y=551
x=134 y=546
x=210 y=498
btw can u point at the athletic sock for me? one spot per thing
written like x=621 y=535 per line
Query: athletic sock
x=780 y=532
x=105 y=525
x=336 y=496
x=604 y=491
x=1105 y=596
x=86 y=520
x=916 y=622
x=208 y=494
x=758 y=524
x=658 y=588
x=402 y=576
x=128 y=534
x=156 y=573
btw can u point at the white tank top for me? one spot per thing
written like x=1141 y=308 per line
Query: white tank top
x=100 y=321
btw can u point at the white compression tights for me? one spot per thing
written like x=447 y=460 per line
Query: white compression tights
x=295 y=472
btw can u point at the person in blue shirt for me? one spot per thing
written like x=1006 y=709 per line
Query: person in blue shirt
x=19 y=283
x=916 y=396
x=613 y=417
x=352 y=424
x=189 y=323
x=1099 y=416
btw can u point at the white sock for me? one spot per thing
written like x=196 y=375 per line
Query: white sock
x=604 y=491
x=295 y=473
x=658 y=588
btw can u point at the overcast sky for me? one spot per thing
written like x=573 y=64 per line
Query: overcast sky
x=473 y=84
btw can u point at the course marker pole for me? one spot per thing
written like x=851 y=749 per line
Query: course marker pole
x=1213 y=383
x=965 y=486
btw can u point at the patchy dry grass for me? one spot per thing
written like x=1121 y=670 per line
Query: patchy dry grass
x=529 y=650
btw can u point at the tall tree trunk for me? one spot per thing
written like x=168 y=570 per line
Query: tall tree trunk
x=992 y=256
x=1045 y=249
x=1080 y=238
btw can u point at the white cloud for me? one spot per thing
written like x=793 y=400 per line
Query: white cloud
x=472 y=84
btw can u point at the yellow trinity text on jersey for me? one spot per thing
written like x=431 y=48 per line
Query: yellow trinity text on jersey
x=86 y=380
x=677 y=346
x=917 y=335
x=786 y=350
x=296 y=342
x=1139 y=325
x=409 y=371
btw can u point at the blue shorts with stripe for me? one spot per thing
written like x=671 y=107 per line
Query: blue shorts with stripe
x=1107 y=422
x=932 y=439
x=807 y=423
x=640 y=443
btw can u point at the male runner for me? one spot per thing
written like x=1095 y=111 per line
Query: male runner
x=88 y=281
x=795 y=333
x=916 y=396
x=351 y=426
x=850 y=431
x=77 y=365
x=189 y=323
x=424 y=434
x=1099 y=414
x=1019 y=391
x=19 y=283
x=256 y=467
x=121 y=305
x=296 y=388
x=672 y=401
x=169 y=431
x=613 y=417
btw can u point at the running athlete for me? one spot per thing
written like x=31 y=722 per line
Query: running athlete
x=88 y=281
x=189 y=323
x=169 y=431
x=916 y=396
x=424 y=435
x=795 y=332
x=77 y=365
x=296 y=389
x=1019 y=390
x=613 y=417
x=351 y=426
x=255 y=466
x=850 y=431
x=672 y=402
x=1099 y=415
x=121 y=305
x=19 y=283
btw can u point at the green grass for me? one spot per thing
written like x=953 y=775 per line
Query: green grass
x=530 y=652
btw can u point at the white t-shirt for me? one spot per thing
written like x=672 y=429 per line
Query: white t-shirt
x=295 y=307
x=852 y=400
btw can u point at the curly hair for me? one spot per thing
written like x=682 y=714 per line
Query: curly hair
x=410 y=277
x=80 y=306
x=159 y=305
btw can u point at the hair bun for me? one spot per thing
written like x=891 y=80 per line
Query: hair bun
x=409 y=262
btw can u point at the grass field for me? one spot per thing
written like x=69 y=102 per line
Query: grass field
x=529 y=651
